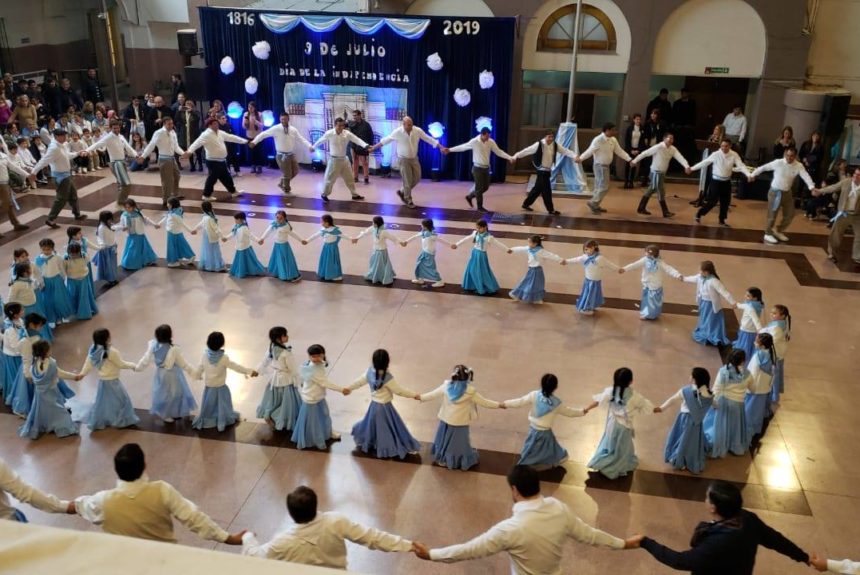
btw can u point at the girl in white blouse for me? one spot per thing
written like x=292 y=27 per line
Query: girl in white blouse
x=710 y=291
x=425 y=265
x=313 y=425
x=22 y=290
x=595 y=265
x=216 y=407
x=685 y=444
x=112 y=407
x=478 y=276
x=105 y=258
x=79 y=283
x=532 y=288
x=178 y=250
x=281 y=401
x=328 y=268
x=210 y=247
x=780 y=328
x=138 y=252
x=171 y=396
x=380 y=270
x=13 y=334
x=750 y=321
x=245 y=262
x=726 y=425
x=282 y=262
x=761 y=367
x=653 y=270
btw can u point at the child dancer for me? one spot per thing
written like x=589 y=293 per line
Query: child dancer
x=757 y=400
x=79 y=283
x=711 y=328
x=171 y=397
x=22 y=289
x=451 y=446
x=380 y=270
x=22 y=389
x=653 y=269
x=281 y=401
x=313 y=425
x=178 y=250
x=616 y=455
x=282 y=262
x=76 y=236
x=216 y=408
x=382 y=429
x=685 y=444
x=725 y=425
x=425 y=265
x=47 y=414
x=750 y=321
x=112 y=407
x=12 y=326
x=138 y=252
x=595 y=265
x=780 y=328
x=245 y=262
x=328 y=268
x=478 y=276
x=210 y=248
x=541 y=447
x=54 y=296
x=105 y=258
x=532 y=288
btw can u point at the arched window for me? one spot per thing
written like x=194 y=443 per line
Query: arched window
x=597 y=32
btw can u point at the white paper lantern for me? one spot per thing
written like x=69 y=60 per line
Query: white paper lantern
x=486 y=79
x=261 y=50
x=227 y=65
x=434 y=62
x=251 y=85
x=268 y=118
x=234 y=110
x=483 y=122
x=436 y=129
x=462 y=97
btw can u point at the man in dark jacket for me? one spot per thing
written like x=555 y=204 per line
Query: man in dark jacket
x=187 y=121
x=68 y=97
x=360 y=156
x=92 y=91
x=661 y=102
x=51 y=97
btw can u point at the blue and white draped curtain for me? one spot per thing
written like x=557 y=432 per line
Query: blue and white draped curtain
x=408 y=28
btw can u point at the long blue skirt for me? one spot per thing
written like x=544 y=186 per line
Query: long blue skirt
x=313 y=426
x=711 y=327
x=210 y=256
x=591 y=297
x=245 y=264
x=778 y=381
x=178 y=248
x=756 y=410
x=22 y=394
x=478 y=276
x=542 y=448
x=452 y=447
x=171 y=396
x=137 y=253
x=64 y=389
x=112 y=407
x=216 y=409
x=380 y=270
x=746 y=342
x=532 y=288
x=685 y=445
x=281 y=405
x=726 y=428
x=46 y=332
x=329 y=264
x=11 y=367
x=82 y=297
x=425 y=267
x=651 y=305
x=47 y=415
x=55 y=300
x=282 y=263
x=105 y=261
x=18 y=515
x=615 y=455
x=383 y=430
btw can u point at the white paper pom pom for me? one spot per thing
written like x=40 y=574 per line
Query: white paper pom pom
x=434 y=62
x=251 y=85
x=486 y=79
x=261 y=50
x=234 y=110
x=227 y=65
x=436 y=129
x=483 y=122
x=268 y=118
x=462 y=97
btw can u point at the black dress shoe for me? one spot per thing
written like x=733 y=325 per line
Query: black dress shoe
x=527 y=208
x=51 y=224
x=469 y=199
x=325 y=199
x=80 y=217
x=555 y=213
x=401 y=196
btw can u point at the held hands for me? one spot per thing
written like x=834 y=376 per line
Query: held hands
x=184 y=156
x=403 y=244
x=346 y=391
x=354 y=240
x=578 y=160
x=620 y=271
x=71 y=509
x=816 y=192
x=251 y=145
x=311 y=148
x=78 y=377
x=444 y=150
x=304 y=242
x=193 y=232
x=815 y=560
x=658 y=409
x=634 y=542
x=260 y=242
x=224 y=240
x=421 y=551
x=417 y=397
x=453 y=246
x=235 y=538
x=688 y=171
x=510 y=251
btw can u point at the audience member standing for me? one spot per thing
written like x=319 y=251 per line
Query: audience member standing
x=68 y=96
x=92 y=91
x=133 y=118
x=360 y=156
x=252 y=123
x=784 y=142
x=186 y=120
x=177 y=87
x=154 y=119
x=736 y=127
x=662 y=104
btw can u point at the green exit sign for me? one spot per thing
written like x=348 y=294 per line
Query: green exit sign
x=716 y=70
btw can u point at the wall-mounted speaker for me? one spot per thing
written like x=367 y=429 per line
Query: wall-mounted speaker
x=187 y=40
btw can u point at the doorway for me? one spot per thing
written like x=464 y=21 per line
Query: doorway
x=715 y=97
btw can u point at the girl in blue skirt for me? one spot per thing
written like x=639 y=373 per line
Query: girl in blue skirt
x=710 y=292
x=380 y=270
x=685 y=444
x=171 y=397
x=750 y=321
x=210 y=247
x=726 y=424
x=22 y=389
x=137 y=252
x=112 y=407
x=47 y=413
x=245 y=262
x=780 y=328
x=313 y=425
x=216 y=407
x=615 y=455
x=532 y=288
x=79 y=283
x=452 y=447
x=282 y=262
x=281 y=401
x=595 y=265
x=478 y=276
x=178 y=251
x=328 y=268
x=541 y=448
x=12 y=334
x=76 y=236
x=105 y=258
x=53 y=295
x=425 y=265
x=382 y=430
x=653 y=270
x=757 y=400
x=22 y=289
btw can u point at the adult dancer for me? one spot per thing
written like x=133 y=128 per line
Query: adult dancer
x=602 y=147
x=60 y=160
x=118 y=148
x=723 y=162
x=286 y=137
x=663 y=153
x=167 y=143
x=779 y=197
x=338 y=164
x=407 y=137
x=214 y=143
x=481 y=147
x=543 y=153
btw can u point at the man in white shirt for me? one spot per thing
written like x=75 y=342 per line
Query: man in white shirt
x=846 y=566
x=167 y=143
x=481 y=146
x=118 y=148
x=338 y=166
x=145 y=509
x=11 y=484
x=736 y=126
x=663 y=153
x=407 y=138
x=779 y=197
x=603 y=148
x=543 y=154
x=319 y=539
x=847 y=214
x=285 y=137
x=7 y=166
x=534 y=536
x=60 y=161
x=213 y=140
x=723 y=163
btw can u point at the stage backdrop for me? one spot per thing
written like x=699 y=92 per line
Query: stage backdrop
x=387 y=66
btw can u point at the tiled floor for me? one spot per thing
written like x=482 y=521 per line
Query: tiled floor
x=802 y=479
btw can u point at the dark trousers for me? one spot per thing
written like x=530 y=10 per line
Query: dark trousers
x=718 y=191
x=481 y=176
x=542 y=188
x=630 y=172
x=196 y=159
x=232 y=156
x=66 y=193
x=218 y=172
